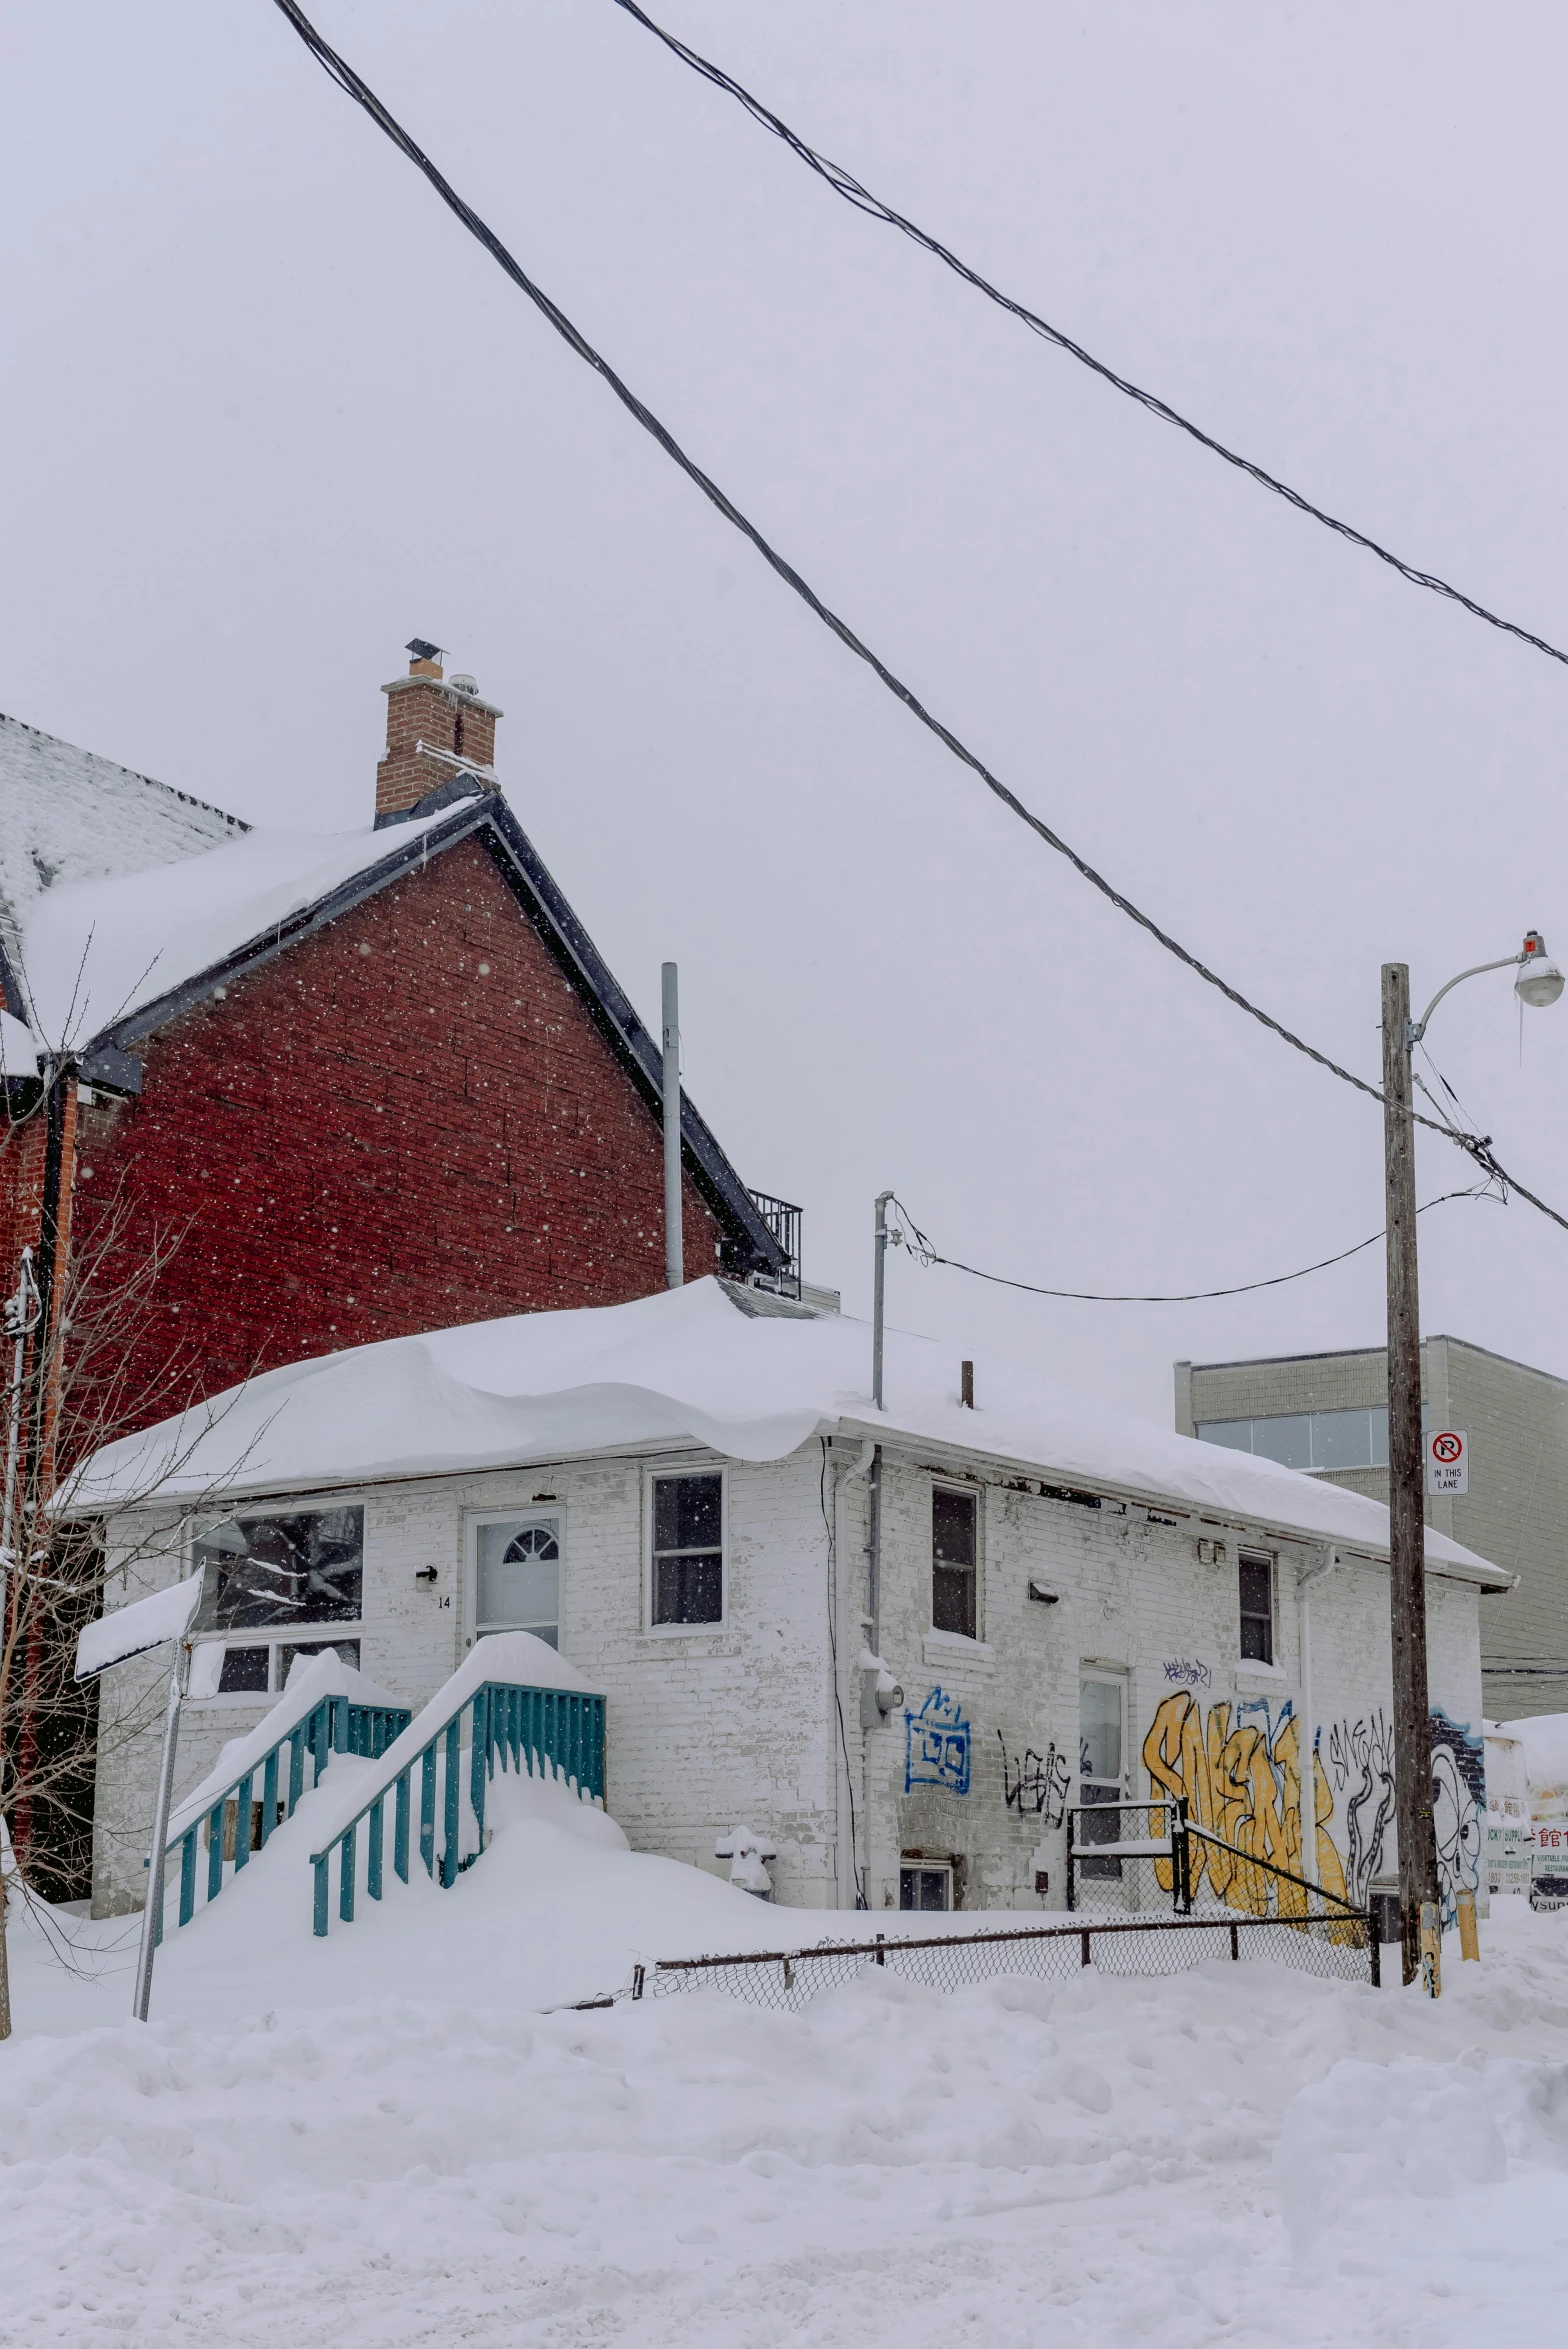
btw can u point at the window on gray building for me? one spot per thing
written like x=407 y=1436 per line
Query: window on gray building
x=1257 y=1607
x=1310 y=1440
x=688 y=1549
x=954 y=1555
x=925 y=1888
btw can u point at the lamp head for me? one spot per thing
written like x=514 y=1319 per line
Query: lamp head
x=1540 y=982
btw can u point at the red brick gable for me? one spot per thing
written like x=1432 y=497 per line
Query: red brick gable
x=407 y=1119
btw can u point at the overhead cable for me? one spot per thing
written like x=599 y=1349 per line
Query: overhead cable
x=924 y=1252
x=854 y=191
x=357 y=88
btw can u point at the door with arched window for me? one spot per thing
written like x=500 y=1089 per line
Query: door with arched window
x=515 y=1575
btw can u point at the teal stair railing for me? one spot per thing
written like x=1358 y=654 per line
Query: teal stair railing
x=336 y=1725
x=550 y=1732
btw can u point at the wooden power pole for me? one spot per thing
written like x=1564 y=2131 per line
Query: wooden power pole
x=1418 y=1886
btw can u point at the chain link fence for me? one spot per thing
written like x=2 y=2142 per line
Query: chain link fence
x=1158 y=1896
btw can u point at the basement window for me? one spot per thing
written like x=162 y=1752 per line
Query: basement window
x=1257 y=1607
x=954 y=1562
x=925 y=1888
x=688 y=1550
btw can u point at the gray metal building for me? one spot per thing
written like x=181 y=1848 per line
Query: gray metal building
x=1328 y=1414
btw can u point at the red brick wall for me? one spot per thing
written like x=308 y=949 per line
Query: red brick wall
x=373 y=1134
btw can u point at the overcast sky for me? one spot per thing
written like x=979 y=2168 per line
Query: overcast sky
x=268 y=413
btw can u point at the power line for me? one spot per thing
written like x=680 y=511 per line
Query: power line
x=854 y=191
x=356 y=87
x=925 y=1253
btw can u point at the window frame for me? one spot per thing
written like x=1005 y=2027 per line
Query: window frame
x=1266 y=1558
x=975 y=1495
x=521 y=1514
x=654 y=1473
x=943 y=1868
x=277 y=1638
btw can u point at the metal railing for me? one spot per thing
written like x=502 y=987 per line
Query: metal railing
x=1163 y=1865
x=556 y=1731
x=783 y=1221
x=337 y=1724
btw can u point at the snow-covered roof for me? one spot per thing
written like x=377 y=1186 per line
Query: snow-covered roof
x=97 y=951
x=686 y=1366
x=68 y=816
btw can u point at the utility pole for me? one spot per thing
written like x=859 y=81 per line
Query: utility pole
x=878 y=1287
x=674 y=1253
x=1418 y=1886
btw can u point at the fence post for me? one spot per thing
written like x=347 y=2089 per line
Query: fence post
x=346 y=1876
x=452 y=1791
x=188 y=1876
x=1181 y=1874
x=215 y=1851
x=242 y=1802
x=1071 y=1902
x=1084 y=1954
x=637 y=1981
x=320 y=1920
x=881 y=1959
x=373 y=1856
x=269 y=1795
x=1374 y=1949
x=296 y=1764
x=400 y=1829
x=479 y=1760
x=1235 y=1945
x=427 y=1808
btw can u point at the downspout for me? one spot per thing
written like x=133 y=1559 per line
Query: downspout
x=1306 y=1765
x=848 y=1677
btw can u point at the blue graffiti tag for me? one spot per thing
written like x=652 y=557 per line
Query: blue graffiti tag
x=936 y=1745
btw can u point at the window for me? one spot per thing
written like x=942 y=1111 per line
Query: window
x=280 y=1574
x=954 y=1526
x=1312 y=1440
x=517 y=1579
x=1257 y=1608
x=925 y=1888
x=688 y=1549
x=1102 y=1736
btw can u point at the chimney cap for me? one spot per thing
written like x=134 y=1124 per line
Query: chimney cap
x=421 y=650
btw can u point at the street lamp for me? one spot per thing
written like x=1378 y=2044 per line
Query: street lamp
x=1539 y=983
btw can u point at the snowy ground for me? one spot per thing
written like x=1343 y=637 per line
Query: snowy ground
x=380 y=2141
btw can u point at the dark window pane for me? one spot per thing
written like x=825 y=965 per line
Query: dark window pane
x=688 y=1512
x=923 y=1888
x=1257 y=1610
x=244 y=1671
x=953 y=1600
x=688 y=1590
x=264 y=1571
x=346 y=1650
x=953 y=1528
x=1380 y=1436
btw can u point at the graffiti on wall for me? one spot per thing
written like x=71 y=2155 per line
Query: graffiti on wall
x=1458 y=1807
x=1361 y=1759
x=1035 y=1784
x=1189 y=1672
x=937 y=1745
x=1239 y=1768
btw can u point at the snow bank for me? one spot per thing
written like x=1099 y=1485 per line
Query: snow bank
x=1092 y=2164
x=688 y=1365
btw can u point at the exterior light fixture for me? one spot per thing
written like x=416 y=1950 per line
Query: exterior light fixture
x=1540 y=982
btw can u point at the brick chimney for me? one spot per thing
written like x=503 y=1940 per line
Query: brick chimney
x=437 y=727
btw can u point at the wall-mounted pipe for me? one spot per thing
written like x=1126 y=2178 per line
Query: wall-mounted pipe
x=674 y=1252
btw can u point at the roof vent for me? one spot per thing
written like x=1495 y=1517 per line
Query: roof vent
x=464 y=684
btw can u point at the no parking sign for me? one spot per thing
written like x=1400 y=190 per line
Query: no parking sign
x=1448 y=1461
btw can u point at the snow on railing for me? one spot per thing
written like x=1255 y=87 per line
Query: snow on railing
x=553 y=1731
x=334 y=1724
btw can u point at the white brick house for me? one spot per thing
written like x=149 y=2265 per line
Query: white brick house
x=679 y=1493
